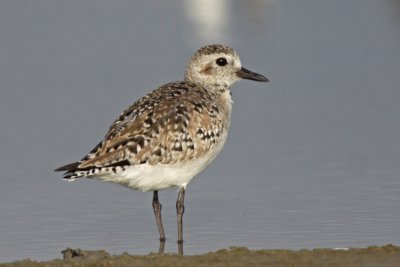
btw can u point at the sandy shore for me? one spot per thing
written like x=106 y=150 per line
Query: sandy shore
x=384 y=256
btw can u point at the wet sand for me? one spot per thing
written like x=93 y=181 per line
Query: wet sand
x=384 y=256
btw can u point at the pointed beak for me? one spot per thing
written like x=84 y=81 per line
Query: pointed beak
x=249 y=75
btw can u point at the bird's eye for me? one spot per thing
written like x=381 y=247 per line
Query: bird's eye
x=221 y=61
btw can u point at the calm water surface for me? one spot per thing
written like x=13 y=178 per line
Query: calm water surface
x=312 y=159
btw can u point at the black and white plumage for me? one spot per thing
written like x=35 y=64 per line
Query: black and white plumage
x=170 y=135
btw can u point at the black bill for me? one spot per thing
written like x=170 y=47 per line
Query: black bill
x=249 y=75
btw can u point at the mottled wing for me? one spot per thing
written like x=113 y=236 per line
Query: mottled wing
x=177 y=122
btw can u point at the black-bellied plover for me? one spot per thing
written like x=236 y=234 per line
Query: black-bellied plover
x=170 y=135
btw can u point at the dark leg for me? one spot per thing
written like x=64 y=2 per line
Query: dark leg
x=180 y=209
x=157 y=211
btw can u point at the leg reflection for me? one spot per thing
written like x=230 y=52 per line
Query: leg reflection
x=162 y=246
x=180 y=248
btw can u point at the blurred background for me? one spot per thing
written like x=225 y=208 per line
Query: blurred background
x=312 y=159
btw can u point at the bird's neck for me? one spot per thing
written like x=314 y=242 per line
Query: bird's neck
x=216 y=89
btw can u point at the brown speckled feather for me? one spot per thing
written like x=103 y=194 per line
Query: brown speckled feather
x=170 y=135
x=176 y=122
x=180 y=126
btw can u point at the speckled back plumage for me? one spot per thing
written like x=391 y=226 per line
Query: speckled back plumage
x=178 y=123
x=170 y=135
x=163 y=127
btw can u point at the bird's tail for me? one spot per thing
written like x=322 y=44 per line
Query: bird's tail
x=72 y=171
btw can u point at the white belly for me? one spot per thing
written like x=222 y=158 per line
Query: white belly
x=146 y=177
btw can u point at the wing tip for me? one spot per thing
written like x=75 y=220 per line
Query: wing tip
x=69 y=167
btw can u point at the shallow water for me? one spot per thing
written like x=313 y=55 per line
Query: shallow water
x=385 y=256
x=312 y=159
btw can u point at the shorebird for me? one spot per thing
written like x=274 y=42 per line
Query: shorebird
x=170 y=135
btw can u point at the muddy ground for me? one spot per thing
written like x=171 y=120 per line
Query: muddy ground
x=384 y=256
